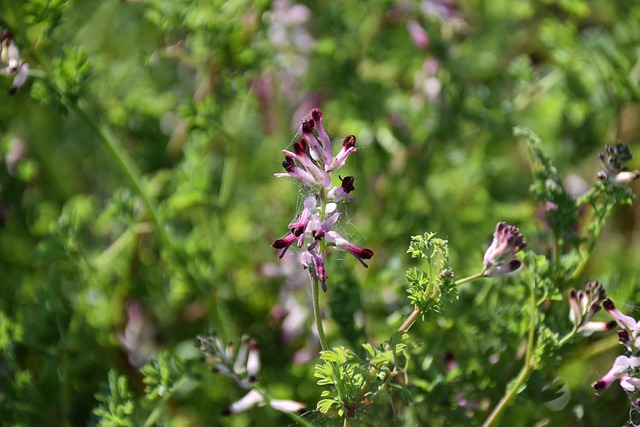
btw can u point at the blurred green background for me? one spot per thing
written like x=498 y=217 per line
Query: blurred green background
x=203 y=95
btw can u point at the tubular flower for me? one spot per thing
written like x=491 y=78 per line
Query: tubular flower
x=343 y=245
x=342 y=192
x=11 y=63
x=500 y=259
x=621 y=369
x=626 y=368
x=313 y=163
x=584 y=304
x=614 y=159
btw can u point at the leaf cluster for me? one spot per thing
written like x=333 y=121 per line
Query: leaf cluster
x=355 y=381
x=431 y=285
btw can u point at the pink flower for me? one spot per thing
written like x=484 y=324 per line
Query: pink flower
x=418 y=34
x=294 y=171
x=500 y=258
x=348 y=147
x=342 y=192
x=621 y=366
x=343 y=245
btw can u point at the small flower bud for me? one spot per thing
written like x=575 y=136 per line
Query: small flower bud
x=499 y=259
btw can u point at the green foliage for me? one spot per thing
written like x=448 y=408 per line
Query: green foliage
x=116 y=406
x=432 y=286
x=357 y=382
x=137 y=208
x=561 y=210
x=68 y=77
x=157 y=377
x=45 y=12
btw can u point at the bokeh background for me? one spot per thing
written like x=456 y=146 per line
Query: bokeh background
x=204 y=95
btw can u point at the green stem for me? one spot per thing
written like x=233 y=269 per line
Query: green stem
x=508 y=397
x=126 y=166
x=594 y=237
x=157 y=410
x=526 y=370
x=469 y=279
x=567 y=337
x=409 y=321
x=118 y=154
x=316 y=311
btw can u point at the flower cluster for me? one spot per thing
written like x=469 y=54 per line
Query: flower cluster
x=584 y=304
x=500 y=259
x=242 y=366
x=11 y=63
x=312 y=162
x=614 y=159
x=626 y=368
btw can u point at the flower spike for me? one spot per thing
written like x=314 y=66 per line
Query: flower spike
x=312 y=162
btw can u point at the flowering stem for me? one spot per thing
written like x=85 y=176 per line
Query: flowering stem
x=409 y=321
x=469 y=279
x=567 y=337
x=526 y=370
x=316 y=311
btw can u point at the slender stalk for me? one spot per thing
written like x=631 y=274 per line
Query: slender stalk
x=157 y=410
x=594 y=237
x=526 y=370
x=508 y=397
x=409 y=321
x=469 y=279
x=126 y=166
x=316 y=311
x=121 y=158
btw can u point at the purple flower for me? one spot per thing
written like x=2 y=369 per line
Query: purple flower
x=343 y=245
x=620 y=370
x=625 y=368
x=11 y=63
x=626 y=322
x=10 y=60
x=320 y=148
x=312 y=162
x=614 y=159
x=295 y=171
x=284 y=243
x=138 y=337
x=500 y=258
x=584 y=304
x=348 y=147
x=298 y=227
x=318 y=266
x=321 y=177
x=418 y=34
x=325 y=227
x=342 y=192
